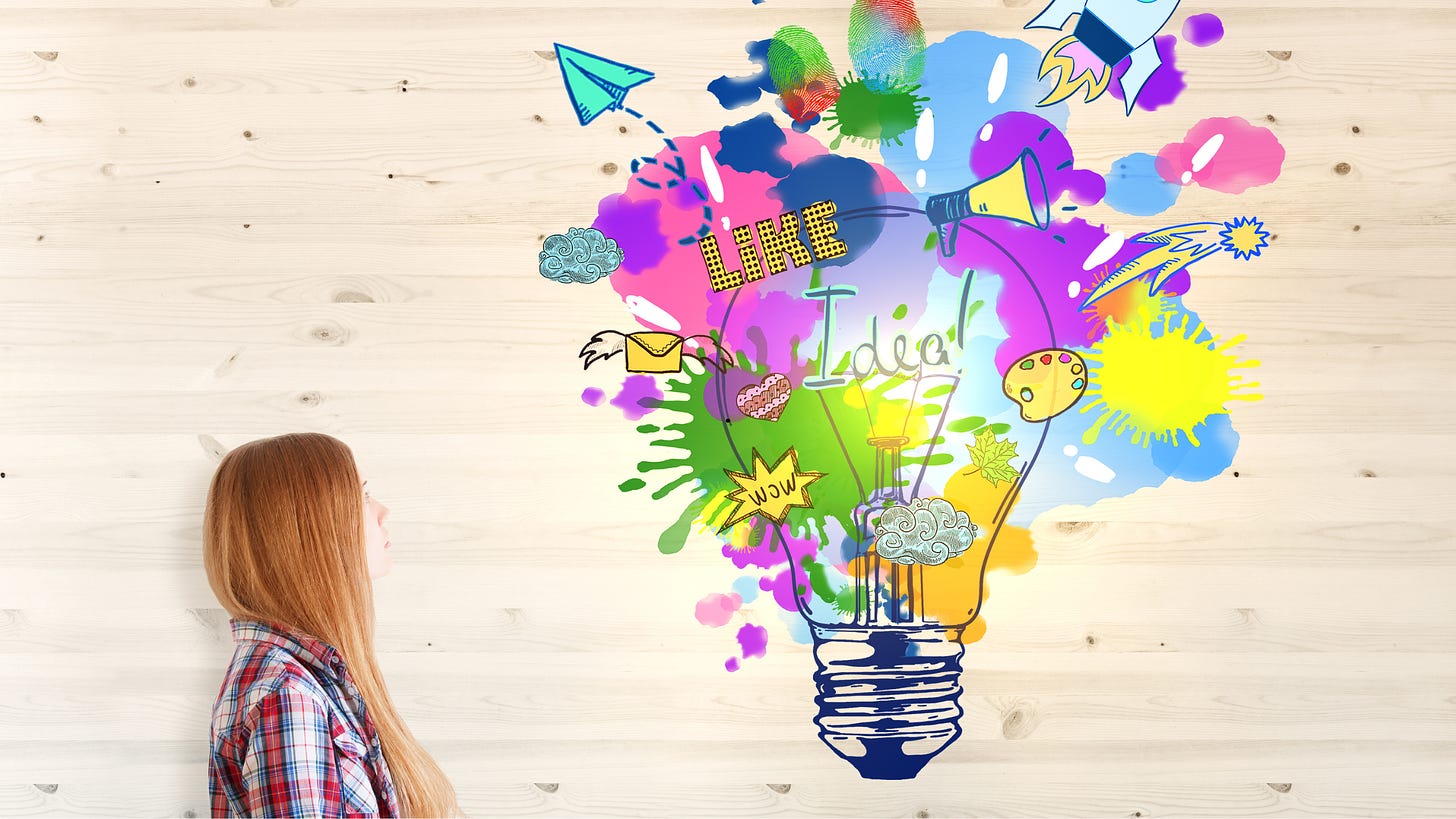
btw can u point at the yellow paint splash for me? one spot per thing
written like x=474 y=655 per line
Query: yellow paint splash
x=1154 y=378
x=950 y=588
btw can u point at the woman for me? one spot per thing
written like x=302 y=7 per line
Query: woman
x=303 y=724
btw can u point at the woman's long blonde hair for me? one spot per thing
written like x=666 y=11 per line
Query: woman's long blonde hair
x=283 y=540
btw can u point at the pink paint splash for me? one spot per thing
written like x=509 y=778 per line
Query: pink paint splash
x=1203 y=30
x=753 y=640
x=638 y=397
x=1163 y=87
x=717 y=609
x=1247 y=156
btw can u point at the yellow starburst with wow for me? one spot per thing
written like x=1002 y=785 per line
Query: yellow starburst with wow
x=770 y=491
x=1155 y=377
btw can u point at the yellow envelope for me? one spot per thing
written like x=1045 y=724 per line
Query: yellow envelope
x=650 y=352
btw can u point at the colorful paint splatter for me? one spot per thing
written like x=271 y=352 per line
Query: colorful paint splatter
x=924 y=352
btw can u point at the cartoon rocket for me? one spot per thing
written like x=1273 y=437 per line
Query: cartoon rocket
x=1110 y=30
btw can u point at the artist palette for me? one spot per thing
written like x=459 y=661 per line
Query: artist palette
x=1046 y=383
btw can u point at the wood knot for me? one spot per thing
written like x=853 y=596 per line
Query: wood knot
x=1367 y=473
x=1091 y=641
x=1236 y=473
x=189 y=82
x=546 y=55
x=189 y=814
x=1281 y=787
x=1019 y=723
x=47 y=788
x=331 y=334
x=1354 y=129
x=1270 y=118
x=108 y=169
x=1281 y=56
x=609 y=168
x=247 y=135
x=1356 y=228
x=538 y=118
x=352 y=296
x=779 y=788
x=621 y=129
x=1071 y=527
x=922 y=814
x=48 y=56
x=36 y=117
x=310 y=399
x=1342 y=168
x=548 y=787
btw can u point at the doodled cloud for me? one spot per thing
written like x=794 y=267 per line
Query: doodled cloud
x=928 y=532
x=581 y=255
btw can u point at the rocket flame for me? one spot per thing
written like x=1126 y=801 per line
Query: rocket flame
x=1062 y=58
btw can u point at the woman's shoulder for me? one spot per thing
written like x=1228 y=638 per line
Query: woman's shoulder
x=258 y=670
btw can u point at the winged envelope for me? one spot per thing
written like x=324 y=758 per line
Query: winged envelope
x=648 y=351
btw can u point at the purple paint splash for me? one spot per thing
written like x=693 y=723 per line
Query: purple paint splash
x=753 y=639
x=593 y=396
x=634 y=226
x=731 y=664
x=1014 y=131
x=1162 y=88
x=638 y=397
x=1203 y=30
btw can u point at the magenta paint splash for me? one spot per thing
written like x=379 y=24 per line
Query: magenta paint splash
x=1203 y=30
x=1239 y=156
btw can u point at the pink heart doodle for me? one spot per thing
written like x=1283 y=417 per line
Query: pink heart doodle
x=766 y=399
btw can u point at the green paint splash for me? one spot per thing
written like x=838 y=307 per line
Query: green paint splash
x=864 y=116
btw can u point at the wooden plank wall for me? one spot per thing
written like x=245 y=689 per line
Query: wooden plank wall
x=225 y=219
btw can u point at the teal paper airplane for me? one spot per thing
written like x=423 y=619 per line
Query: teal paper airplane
x=596 y=84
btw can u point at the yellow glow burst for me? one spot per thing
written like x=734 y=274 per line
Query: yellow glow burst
x=1154 y=378
x=1244 y=237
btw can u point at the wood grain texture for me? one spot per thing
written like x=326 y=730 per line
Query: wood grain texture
x=226 y=219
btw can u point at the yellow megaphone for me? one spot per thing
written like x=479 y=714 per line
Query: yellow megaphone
x=1007 y=195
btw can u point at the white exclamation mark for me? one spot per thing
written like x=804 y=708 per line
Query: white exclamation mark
x=710 y=175
x=1204 y=155
x=924 y=142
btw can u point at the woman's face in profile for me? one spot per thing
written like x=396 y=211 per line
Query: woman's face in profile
x=376 y=537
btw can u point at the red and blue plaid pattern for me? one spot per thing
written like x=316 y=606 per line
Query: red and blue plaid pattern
x=290 y=733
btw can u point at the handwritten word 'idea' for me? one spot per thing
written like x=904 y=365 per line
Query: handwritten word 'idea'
x=929 y=350
x=779 y=245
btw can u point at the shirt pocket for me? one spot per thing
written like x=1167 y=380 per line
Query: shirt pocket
x=354 y=784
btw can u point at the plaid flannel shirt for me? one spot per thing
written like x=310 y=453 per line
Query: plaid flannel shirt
x=290 y=733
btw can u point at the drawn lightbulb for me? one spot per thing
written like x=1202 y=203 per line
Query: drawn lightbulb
x=888 y=676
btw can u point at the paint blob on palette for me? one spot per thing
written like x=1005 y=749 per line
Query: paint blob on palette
x=1046 y=383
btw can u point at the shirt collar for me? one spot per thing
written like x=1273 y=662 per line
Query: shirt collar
x=306 y=647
